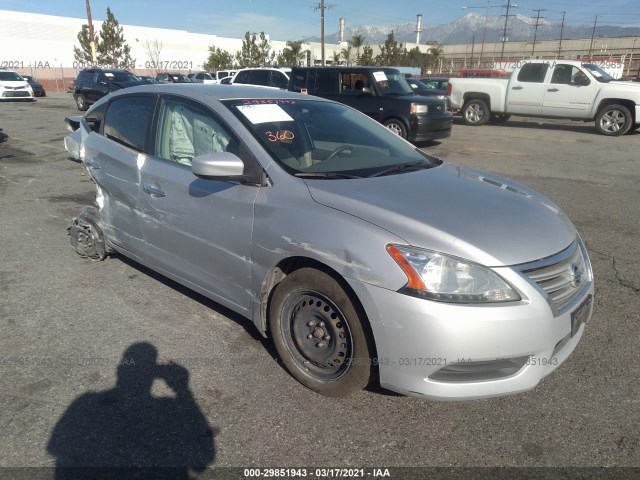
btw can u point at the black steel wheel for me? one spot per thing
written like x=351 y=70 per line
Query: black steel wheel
x=81 y=103
x=319 y=334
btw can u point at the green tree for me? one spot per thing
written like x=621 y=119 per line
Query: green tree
x=82 y=54
x=357 y=41
x=253 y=54
x=264 y=47
x=415 y=58
x=336 y=58
x=292 y=54
x=112 y=50
x=367 y=56
x=433 y=57
x=391 y=52
x=218 y=60
x=346 y=54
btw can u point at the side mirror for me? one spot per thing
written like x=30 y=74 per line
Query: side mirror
x=223 y=165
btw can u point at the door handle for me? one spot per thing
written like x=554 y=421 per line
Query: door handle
x=92 y=165
x=516 y=88
x=552 y=90
x=154 y=192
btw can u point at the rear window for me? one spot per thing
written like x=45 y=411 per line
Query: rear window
x=127 y=119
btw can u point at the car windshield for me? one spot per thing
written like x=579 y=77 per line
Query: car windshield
x=10 y=77
x=326 y=140
x=121 y=77
x=391 y=82
x=599 y=74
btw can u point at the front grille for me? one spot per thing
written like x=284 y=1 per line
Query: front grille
x=14 y=94
x=436 y=108
x=563 y=277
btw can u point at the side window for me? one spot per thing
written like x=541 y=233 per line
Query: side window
x=279 y=80
x=95 y=117
x=127 y=119
x=533 y=72
x=299 y=80
x=327 y=83
x=101 y=77
x=260 y=77
x=186 y=130
x=242 y=77
x=569 y=75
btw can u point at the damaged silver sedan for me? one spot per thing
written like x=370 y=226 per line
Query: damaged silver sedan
x=363 y=258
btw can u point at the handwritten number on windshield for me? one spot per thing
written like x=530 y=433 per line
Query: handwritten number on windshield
x=280 y=135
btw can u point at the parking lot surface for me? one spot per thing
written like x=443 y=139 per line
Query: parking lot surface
x=69 y=327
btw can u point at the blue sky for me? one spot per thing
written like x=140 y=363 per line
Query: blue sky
x=296 y=19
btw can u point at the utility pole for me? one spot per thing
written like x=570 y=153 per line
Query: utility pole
x=561 y=30
x=322 y=6
x=91 y=38
x=473 y=44
x=535 y=32
x=504 y=32
x=593 y=34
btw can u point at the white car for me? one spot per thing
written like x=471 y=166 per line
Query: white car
x=263 y=77
x=14 y=87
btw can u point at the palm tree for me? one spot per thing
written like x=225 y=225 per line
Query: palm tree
x=357 y=41
x=336 y=58
x=293 y=52
x=346 y=54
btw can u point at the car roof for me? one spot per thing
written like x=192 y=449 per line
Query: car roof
x=217 y=92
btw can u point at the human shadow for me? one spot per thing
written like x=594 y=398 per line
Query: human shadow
x=125 y=432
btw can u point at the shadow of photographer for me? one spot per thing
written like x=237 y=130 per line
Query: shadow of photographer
x=125 y=432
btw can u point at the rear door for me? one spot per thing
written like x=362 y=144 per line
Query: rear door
x=197 y=229
x=113 y=159
x=526 y=91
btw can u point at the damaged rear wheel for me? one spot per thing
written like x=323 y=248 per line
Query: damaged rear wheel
x=86 y=235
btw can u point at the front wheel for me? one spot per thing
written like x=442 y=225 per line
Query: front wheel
x=475 y=112
x=81 y=103
x=397 y=127
x=613 y=120
x=319 y=334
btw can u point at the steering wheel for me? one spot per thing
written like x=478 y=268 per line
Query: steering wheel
x=341 y=148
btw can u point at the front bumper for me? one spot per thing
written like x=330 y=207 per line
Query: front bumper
x=446 y=351
x=16 y=95
x=429 y=126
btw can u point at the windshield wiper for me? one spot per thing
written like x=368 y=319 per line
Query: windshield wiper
x=329 y=175
x=401 y=168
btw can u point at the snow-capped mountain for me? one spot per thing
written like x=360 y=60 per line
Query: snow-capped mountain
x=462 y=30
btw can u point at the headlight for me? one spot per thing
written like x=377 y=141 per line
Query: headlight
x=443 y=278
x=418 y=108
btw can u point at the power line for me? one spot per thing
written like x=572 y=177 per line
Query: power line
x=504 y=33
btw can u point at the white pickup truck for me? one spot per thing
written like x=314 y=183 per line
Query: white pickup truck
x=553 y=89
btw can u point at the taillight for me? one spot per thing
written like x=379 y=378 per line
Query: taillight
x=448 y=89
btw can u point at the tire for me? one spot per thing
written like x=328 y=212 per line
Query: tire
x=319 y=334
x=500 y=117
x=475 y=112
x=397 y=127
x=635 y=126
x=613 y=120
x=81 y=103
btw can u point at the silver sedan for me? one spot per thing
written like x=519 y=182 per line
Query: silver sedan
x=362 y=257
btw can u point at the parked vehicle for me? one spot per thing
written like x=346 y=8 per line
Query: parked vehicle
x=226 y=80
x=553 y=89
x=484 y=73
x=356 y=252
x=263 y=77
x=420 y=88
x=172 y=78
x=147 y=78
x=202 y=77
x=381 y=93
x=221 y=74
x=437 y=83
x=36 y=86
x=92 y=84
x=14 y=87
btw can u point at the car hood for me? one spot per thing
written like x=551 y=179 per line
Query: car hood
x=455 y=210
x=118 y=85
x=14 y=83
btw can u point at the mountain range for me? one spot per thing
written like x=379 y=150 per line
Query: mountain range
x=462 y=30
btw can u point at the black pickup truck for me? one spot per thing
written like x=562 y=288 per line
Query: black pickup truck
x=382 y=93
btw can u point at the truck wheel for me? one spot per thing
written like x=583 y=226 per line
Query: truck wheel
x=319 y=335
x=613 y=120
x=500 y=117
x=397 y=127
x=475 y=112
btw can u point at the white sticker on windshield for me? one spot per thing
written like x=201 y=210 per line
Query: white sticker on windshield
x=595 y=73
x=108 y=74
x=265 y=113
x=380 y=76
